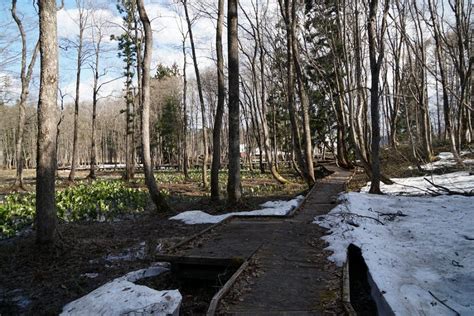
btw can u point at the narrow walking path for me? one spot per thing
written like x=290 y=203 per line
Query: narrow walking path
x=295 y=278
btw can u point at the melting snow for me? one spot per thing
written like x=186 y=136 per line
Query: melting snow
x=431 y=249
x=275 y=208
x=123 y=297
x=446 y=159
x=456 y=181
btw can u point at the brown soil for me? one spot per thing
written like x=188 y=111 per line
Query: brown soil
x=46 y=279
x=39 y=281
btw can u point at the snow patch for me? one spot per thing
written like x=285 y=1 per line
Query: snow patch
x=455 y=181
x=446 y=159
x=122 y=296
x=270 y=208
x=416 y=248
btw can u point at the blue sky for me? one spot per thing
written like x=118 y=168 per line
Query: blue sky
x=166 y=23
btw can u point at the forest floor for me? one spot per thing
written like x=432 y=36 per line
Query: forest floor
x=40 y=281
x=88 y=254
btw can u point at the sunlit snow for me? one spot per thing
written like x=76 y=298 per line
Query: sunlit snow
x=423 y=250
x=123 y=297
x=271 y=208
x=456 y=181
x=446 y=159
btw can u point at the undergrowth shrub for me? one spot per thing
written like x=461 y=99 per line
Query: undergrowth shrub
x=99 y=201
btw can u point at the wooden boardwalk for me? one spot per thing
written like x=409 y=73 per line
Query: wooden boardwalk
x=295 y=278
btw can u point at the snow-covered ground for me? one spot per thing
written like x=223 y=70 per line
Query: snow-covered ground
x=123 y=297
x=275 y=208
x=456 y=181
x=419 y=250
x=446 y=159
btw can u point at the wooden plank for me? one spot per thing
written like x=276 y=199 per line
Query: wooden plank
x=211 y=311
x=292 y=213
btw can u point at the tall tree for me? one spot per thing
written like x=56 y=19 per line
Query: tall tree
x=216 y=133
x=98 y=29
x=150 y=181
x=304 y=100
x=128 y=51
x=437 y=35
x=47 y=119
x=233 y=182
x=259 y=26
x=25 y=76
x=376 y=55
x=288 y=12
x=201 y=97
x=83 y=17
x=185 y=108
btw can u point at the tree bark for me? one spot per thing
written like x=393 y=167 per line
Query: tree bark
x=375 y=66
x=150 y=181
x=233 y=183
x=47 y=118
x=308 y=147
x=216 y=133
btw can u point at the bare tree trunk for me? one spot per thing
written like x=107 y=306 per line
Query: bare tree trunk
x=25 y=76
x=397 y=45
x=185 y=114
x=272 y=162
x=233 y=183
x=422 y=98
x=216 y=133
x=82 y=21
x=308 y=149
x=201 y=98
x=137 y=99
x=288 y=13
x=361 y=104
x=375 y=65
x=129 y=127
x=145 y=111
x=95 y=90
x=444 y=84
x=47 y=118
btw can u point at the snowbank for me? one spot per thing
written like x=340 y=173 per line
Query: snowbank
x=426 y=245
x=455 y=181
x=275 y=208
x=446 y=159
x=122 y=296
